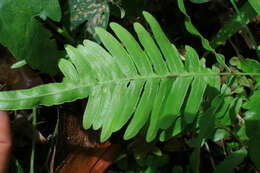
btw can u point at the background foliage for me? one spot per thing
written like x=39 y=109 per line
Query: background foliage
x=22 y=32
x=181 y=109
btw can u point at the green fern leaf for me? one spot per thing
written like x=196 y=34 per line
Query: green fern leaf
x=125 y=82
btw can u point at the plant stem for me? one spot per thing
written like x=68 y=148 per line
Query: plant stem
x=52 y=150
x=34 y=118
x=61 y=31
x=240 y=143
x=245 y=26
x=238 y=21
x=55 y=133
x=210 y=156
x=213 y=74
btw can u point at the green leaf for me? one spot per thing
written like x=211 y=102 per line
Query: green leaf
x=89 y=13
x=49 y=94
x=192 y=29
x=219 y=135
x=157 y=109
x=25 y=36
x=123 y=83
x=207 y=126
x=169 y=51
x=132 y=99
x=18 y=64
x=250 y=65
x=255 y=4
x=143 y=110
x=149 y=170
x=68 y=70
x=236 y=107
x=133 y=48
x=232 y=161
x=198 y=85
x=239 y=20
x=155 y=161
x=172 y=111
x=199 y=1
x=175 y=129
x=242 y=133
x=18 y=166
x=195 y=158
x=253 y=102
x=151 y=49
x=253 y=148
x=177 y=169
x=207 y=123
x=252 y=121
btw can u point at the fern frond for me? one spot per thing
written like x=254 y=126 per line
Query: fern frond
x=127 y=81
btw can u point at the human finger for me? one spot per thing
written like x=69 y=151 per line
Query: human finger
x=5 y=140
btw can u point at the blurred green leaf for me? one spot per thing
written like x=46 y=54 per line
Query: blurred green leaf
x=232 y=161
x=242 y=133
x=255 y=4
x=253 y=102
x=195 y=158
x=153 y=161
x=252 y=121
x=247 y=65
x=175 y=129
x=199 y=1
x=19 y=64
x=235 y=108
x=25 y=36
x=254 y=151
x=149 y=170
x=220 y=134
x=207 y=119
x=252 y=124
x=177 y=169
x=207 y=126
x=157 y=161
x=246 y=13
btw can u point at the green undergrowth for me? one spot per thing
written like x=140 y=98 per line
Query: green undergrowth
x=142 y=86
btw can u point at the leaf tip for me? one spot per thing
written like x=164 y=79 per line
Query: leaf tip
x=105 y=136
x=145 y=13
x=98 y=30
x=113 y=24
x=137 y=26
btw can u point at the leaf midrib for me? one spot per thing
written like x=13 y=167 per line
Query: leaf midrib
x=150 y=77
